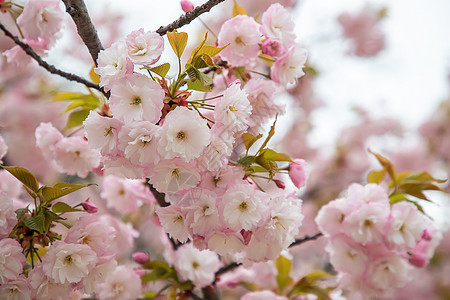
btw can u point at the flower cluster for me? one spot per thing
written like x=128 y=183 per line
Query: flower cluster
x=40 y=23
x=372 y=244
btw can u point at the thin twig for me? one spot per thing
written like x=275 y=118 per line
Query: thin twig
x=305 y=239
x=78 y=11
x=52 y=69
x=227 y=268
x=188 y=17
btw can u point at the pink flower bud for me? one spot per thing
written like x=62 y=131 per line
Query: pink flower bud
x=418 y=259
x=140 y=258
x=140 y=272
x=273 y=47
x=426 y=235
x=186 y=5
x=89 y=207
x=247 y=235
x=280 y=184
x=297 y=172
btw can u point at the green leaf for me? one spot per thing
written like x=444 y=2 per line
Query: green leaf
x=249 y=139
x=161 y=70
x=35 y=223
x=387 y=165
x=397 y=197
x=25 y=176
x=241 y=74
x=203 y=61
x=76 y=118
x=160 y=270
x=246 y=161
x=271 y=166
x=197 y=85
x=238 y=10
x=88 y=102
x=60 y=189
x=21 y=212
x=271 y=133
x=61 y=207
x=306 y=285
x=49 y=218
x=178 y=41
x=270 y=154
x=376 y=176
x=284 y=278
x=68 y=96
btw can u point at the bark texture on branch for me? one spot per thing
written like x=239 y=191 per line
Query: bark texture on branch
x=305 y=239
x=78 y=11
x=52 y=69
x=188 y=17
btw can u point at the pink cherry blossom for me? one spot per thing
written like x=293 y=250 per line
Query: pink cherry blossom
x=74 y=157
x=47 y=136
x=139 y=142
x=184 y=134
x=144 y=48
x=125 y=195
x=89 y=230
x=233 y=109
x=225 y=242
x=136 y=98
x=7 y=216
x=41 y=19
x=123 y=283
x=173 y=220
x=12 y=260
x=242 y=33
x=273 y=47
x=43 y=288
x=195 y=265
x=171 y=176
x=277 y=23
x=113 y=64
x=18 y=288
x=262 y=295
x=102 y=132
x=288 y=68
x=65 y=262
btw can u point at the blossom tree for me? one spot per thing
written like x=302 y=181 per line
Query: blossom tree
x=172 y=186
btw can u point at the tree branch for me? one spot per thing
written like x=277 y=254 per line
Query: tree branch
x=52 y=69
x=188 y=17
x=210 y=293
x=78 y=11
x=305 y=239
x=227 y=268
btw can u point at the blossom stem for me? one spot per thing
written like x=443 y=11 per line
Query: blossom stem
x=207 y=27
x=259 y=73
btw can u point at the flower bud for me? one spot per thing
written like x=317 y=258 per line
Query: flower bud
x=89 y=207
x=280 y=184
x=418 y=259
x=186 y=5
x=140 y=258
x=140 y=272
x=247 y=235
x=426 y=235
x=297 y=172
x=273 y=47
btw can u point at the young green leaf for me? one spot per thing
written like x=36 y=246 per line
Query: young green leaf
x=94 y=76
x=178 y=41
x=21 y=212
x=376 y=176
x=161 y=70
x=61 y=207
x=272 y=155
x=271 y=133
x=60 y=189
x=35 y=223
x=284 y=278
x=387 y=165
x=25 y=176
x=249 y=139
x=76 y=118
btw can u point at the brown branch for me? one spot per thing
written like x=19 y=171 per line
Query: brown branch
x=305 y=239
x=188 y=17
x=160 y=197
x=78 y=11
x=52 y=69
x=227 y=268
x=210 y=293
